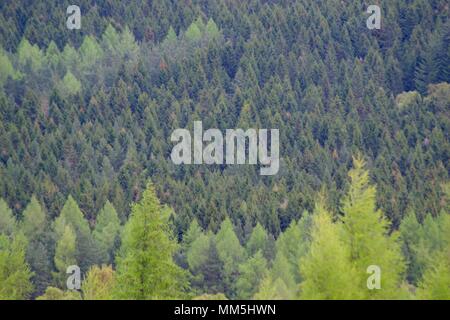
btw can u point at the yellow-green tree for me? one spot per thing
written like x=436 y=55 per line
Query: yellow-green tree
x=145 y=266
x=327 y=271
x=366 y=233
x=98 y=284
x=15 y=275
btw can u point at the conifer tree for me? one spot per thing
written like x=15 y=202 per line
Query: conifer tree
x=65 y=255
x=15 y=274
x=107 y=230
x=273 y=290
x=98 y=284
x=366 y=234
x=327 y=270
x=7 y=220
x=250 y=274
x=231 y=253
x=145 y=266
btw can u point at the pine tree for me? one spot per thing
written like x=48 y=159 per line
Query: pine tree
x=435 y=283
x=107 y=230
x=69 y=85
x=327 y=270
x=15 y=275
x=273 y=290
x=258 y=240
x=30 y=54
x=87 y=250
x=250 y=274
x=171 y=36
x=366 y=234
x=193 y=33
x=65 y=255
x=145 y=266
x=34 y=225
x=212 y=31
x=98 y=284
x=7 y=220
x=52 y=293
x=231 y=254
x=6 y=68
x=34 y=221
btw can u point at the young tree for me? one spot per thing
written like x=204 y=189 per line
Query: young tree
x=250 y=274
x=145 y=266
x=258 y=240
x=15 y=275
x=52 y=293
x=30 y=54
x=98 y=284
x=69 y=85
x=273 y=290
x=7 y=220
x=65 y=254
x=34 y=225
x=205 y=265
x=34 y=221
x=6 y=68
x=366 y=234
x=86 y=249
x=107 y=228
x=231 y=253
x=435 y=284
x=327 y=269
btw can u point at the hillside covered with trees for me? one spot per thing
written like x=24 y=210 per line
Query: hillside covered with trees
x=86 y=177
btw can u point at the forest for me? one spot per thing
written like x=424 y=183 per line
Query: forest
x=86 y=176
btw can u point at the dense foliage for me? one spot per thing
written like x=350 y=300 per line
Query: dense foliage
x=85 y=122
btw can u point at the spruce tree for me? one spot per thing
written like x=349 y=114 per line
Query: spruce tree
x=367 y=236
x=327 y=270
x=145 y=266
x=15 y=274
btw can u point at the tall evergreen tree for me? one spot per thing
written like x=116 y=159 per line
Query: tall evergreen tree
x=366 y=234
x=145 y=266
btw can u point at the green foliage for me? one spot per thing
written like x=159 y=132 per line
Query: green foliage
x=212 y=30
x=65 y=254
x=273 y=290
x=231 y=253
x=145 y=266
x=193 y=33
x=366 y=234
x=258 y=241
x=98 y=284
x=70 y=85
x=106 y=232
x=7 y=220
x=15 y=275
x=6 y=67
x=34 y=222
x=327 y=269
x=171 y=36
x=53 y=293
x=89 y=114
x=30 y=55
x=435 y=284
x=90 y=52
x=217 y=296
x=250 y=274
